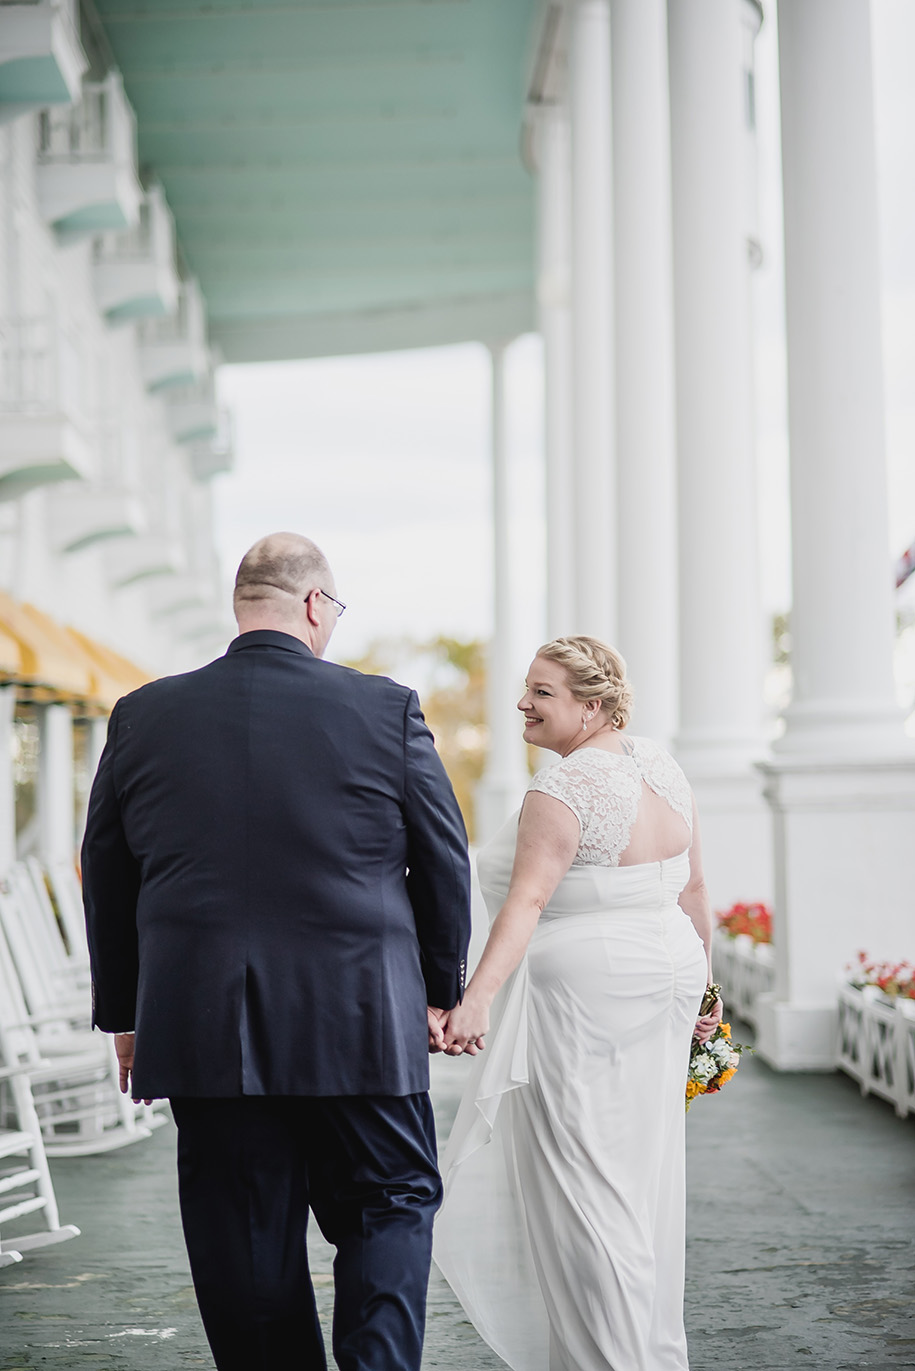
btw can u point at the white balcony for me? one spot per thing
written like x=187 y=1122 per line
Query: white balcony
x=193 y=413
x=87 y=162
x=141 y=559
x=111 y=504
x=41 y=57
x=173 y=351
x=216 y=455
x=88 y=514
x=44 y=434
x=134 y=272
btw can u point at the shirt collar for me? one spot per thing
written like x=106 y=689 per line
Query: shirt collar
x=269 y=637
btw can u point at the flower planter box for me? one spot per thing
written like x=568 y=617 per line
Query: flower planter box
x=744 y=970
x=877 y=1044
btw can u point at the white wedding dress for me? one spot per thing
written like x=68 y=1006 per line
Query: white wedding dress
x=562 y=1230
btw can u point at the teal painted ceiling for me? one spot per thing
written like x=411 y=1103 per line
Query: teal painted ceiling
x=345 y=174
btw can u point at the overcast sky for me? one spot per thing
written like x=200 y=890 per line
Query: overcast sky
x=384 y=460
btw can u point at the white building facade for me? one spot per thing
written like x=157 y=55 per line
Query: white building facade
x=109 y=428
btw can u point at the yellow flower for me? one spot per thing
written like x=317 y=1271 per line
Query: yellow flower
x=726 y=1029
x=726 y=1075
x=693 y=1088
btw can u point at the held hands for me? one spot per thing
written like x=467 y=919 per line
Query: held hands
x=461 y=1029
x=436 y=1032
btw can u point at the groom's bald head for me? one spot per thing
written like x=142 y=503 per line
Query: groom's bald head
x=277 y=587
x=278 y=572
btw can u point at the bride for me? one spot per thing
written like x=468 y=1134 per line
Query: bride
x=562 y=1231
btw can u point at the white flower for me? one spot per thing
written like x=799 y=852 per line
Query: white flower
x=704 y=1068
x=721 y=1051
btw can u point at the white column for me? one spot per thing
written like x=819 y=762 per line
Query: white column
x=502 y=787
x=98 y=732
x=592 y=320
x=720 y=618
x=646 y=467
x=842 y=616
x=554 y=225
x=7 y=782
x=56 y=797
x=842 y=783
x=98 y=735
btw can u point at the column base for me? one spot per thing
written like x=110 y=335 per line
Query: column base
x=794 y=1037
x=845 y=871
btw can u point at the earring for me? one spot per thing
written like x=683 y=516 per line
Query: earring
x=584 y=725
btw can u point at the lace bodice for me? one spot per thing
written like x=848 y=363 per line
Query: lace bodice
x=603 y=790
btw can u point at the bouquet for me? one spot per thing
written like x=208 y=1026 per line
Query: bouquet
x=712 y=1063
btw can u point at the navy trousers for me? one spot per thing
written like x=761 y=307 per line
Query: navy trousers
x=250 y=1168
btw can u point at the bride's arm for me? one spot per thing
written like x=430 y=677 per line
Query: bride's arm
x=548 y=835
x=694 y=897
x=694 y=901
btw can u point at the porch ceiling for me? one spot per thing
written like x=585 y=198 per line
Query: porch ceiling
x=345 y=174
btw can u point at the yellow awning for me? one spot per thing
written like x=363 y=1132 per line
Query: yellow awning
x=46 y=657
x=58 y=662
x=10 y=657
x=121 y=675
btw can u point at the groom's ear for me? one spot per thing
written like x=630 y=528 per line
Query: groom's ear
x=311 y=607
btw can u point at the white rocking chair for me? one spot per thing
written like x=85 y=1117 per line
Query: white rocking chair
x=73 y=1075
x=25 y=1181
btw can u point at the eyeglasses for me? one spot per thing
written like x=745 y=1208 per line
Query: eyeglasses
x=339 y=603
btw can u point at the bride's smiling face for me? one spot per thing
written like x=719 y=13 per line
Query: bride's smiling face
x=552 y=715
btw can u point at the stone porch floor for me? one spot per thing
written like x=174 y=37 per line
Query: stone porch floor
x=801 y=1252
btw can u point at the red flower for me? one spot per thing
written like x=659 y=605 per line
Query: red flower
x=753 y=920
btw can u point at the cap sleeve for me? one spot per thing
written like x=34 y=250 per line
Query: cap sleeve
x=602 y=790
x=562 y=785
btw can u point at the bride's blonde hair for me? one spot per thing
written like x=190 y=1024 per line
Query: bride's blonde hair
x=594 y=671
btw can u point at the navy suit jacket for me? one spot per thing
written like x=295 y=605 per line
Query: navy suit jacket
x=275 y=878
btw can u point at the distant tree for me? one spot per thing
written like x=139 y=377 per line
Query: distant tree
x=450 y=678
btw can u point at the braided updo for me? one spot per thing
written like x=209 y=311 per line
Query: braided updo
x=594 y=671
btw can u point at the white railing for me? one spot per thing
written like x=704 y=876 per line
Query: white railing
x=101 y=126
x=186 y=325
x=26 y=365
x=118 y=452
x=152 y=239
x=877 y=1044
x=40 y=368
x=216 y=455
x=202 y=392
x=744 y=970
x=876 y=1035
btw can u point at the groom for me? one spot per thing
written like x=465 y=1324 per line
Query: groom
x=276 y=887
